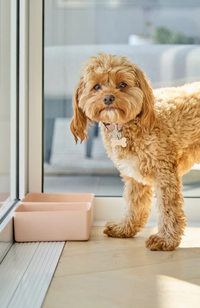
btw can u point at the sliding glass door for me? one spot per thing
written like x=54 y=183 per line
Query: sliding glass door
x=161 y=37
x=9 y=185
x=8 y=104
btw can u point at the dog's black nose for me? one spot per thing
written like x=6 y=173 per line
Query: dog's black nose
x=108 y=99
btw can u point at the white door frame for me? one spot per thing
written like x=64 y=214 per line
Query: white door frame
x=35 y=164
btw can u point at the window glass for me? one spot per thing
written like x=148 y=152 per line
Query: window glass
x=161 y=37
x=4 y=101
x=7 y=93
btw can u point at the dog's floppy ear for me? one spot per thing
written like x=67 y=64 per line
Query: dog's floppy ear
x=148 y=113
x=78 y=124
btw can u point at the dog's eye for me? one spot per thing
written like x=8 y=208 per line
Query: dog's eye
x=97 y=87
x=122 y=85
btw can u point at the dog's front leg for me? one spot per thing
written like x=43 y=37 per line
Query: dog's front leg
x=138 y=200
x=172 y=220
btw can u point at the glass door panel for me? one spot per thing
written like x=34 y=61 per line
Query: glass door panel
x=159 y=36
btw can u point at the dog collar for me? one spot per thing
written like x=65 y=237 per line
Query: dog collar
x=112 y=126
x=116 y=130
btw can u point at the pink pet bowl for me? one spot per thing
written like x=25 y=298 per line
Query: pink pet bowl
x=54 y=217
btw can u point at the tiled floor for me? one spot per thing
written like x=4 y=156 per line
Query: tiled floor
x=115 y=273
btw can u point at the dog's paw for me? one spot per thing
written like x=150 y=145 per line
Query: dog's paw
x=156 y=242
x=118 y=229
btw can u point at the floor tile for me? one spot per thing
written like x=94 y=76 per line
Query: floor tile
x=111 y=273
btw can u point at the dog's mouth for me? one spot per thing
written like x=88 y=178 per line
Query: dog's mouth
x=111 y=109
x=112 y=114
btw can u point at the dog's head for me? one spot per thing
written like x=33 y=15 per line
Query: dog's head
x=111 y=90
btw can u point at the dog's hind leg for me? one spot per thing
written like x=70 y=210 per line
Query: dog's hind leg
x=138 y=200
x=172 y=220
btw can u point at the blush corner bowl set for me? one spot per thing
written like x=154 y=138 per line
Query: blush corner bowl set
x=42 y=217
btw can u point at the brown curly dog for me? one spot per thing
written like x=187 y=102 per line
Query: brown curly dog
x=153 y=138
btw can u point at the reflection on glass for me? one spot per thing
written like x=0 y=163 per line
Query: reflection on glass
x=160 y=37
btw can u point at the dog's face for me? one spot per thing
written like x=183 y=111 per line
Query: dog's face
x=112 y=90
